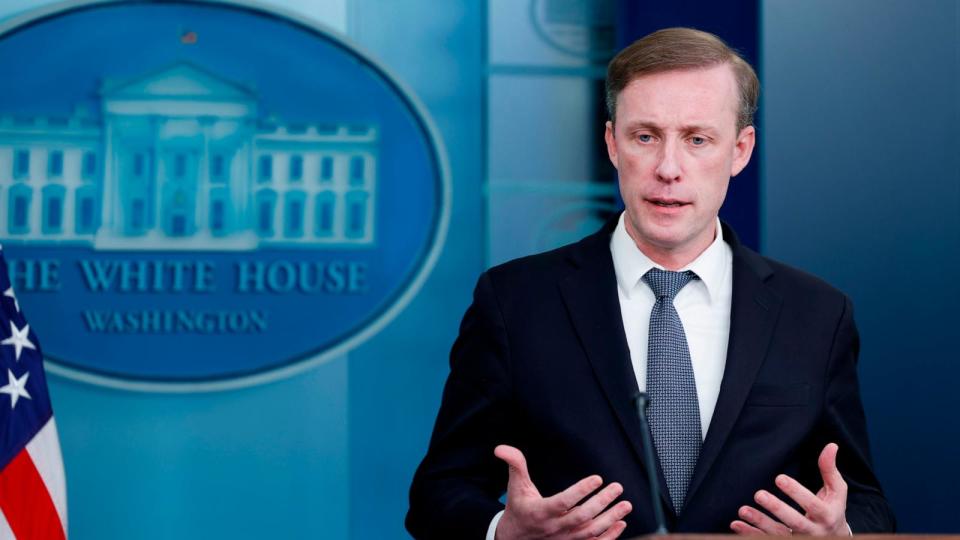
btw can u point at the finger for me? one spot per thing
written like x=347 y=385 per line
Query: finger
x=745 y=529
x=832 y=478
x=604 y=521
x=762 y=522
x=783 y=512
x=614 y=531
x=813 y=505
x=519 y=476
x=590 y=508
x=568 y=498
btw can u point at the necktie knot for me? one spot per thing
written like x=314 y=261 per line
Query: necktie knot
x=665 y=283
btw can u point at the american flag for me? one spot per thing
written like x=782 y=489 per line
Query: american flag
x=33 y=494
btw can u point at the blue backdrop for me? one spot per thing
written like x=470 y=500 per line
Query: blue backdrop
x=862 y=186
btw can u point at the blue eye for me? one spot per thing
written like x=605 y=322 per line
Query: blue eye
x=644 y=138
x=698 y=141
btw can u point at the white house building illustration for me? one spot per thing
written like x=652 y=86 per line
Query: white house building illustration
x=181 y=158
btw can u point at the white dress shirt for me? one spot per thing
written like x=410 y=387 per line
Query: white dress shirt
x=703 y=306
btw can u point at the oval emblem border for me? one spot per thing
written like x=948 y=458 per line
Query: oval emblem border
x=364 y=332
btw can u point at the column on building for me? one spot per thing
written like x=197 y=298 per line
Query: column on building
x=311 y=155
x=202 y=206
x=154 y=190
x=107 y=185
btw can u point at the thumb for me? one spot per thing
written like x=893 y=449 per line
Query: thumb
x=519 y=476
x=832 y=479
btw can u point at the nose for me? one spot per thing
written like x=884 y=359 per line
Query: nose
x=668 y=169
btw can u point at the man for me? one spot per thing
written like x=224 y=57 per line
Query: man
x=750 y=365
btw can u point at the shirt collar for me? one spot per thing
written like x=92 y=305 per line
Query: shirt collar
x=630 y=264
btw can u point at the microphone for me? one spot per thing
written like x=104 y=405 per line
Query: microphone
x=640 y=401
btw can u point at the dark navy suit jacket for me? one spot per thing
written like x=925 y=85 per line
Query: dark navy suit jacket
x=542 y=363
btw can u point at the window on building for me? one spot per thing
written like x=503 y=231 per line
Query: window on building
x=217 y=216
x=293 y=215
x=356 y=214
x=21 y=163
x=356 y=170
x=265 y=201
x=89 y=166
x=218 y=168
x=55 y=164
x=137 y=214
x=296 y=168
x=86 y=214
x=21 y=209
x=326 y=169
x=324 y=213
x=178 y=211
x=179 y=166
x=18 y=217
x=53 y=220
x=139 y=165
x=178 y=224
x=295 y=218
x=266 y=218
x=265 y=173
x=53 y=196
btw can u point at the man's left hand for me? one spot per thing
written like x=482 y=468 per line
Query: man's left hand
x=825 y=512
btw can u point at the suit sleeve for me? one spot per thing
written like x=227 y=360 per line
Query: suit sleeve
x=456 y=490
x=867 y=508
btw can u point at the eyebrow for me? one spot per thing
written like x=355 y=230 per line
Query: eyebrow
x=652 y=126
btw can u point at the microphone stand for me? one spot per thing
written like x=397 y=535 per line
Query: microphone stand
x=640 y=402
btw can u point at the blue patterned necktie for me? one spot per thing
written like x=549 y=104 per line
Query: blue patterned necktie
x=674 y=410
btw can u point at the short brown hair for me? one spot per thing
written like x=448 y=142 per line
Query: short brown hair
x=679 y=49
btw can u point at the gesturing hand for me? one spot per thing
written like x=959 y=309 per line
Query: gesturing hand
x=825 y=512
x=529 y=515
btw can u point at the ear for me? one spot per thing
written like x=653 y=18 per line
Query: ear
x=611 y=139
x=743 y=149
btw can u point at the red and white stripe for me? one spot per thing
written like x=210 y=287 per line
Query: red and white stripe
x=33 y=491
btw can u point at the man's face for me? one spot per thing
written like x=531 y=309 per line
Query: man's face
x=675 y=145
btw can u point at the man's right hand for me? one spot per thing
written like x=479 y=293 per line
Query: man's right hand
x=529 y=515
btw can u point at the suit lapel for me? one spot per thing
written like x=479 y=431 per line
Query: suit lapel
x=753 y=316
x=590 y=295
